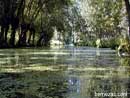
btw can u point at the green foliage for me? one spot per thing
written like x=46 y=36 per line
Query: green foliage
x=91 y=43
x=111 y=43
x=124 y=45
x=38 y=15
x=106 y=15
x=125 y=61
x=102 y=20
x=108 y=43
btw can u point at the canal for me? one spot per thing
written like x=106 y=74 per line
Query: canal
x=70 y=72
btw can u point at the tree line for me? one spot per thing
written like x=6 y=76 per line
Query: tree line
x=29 y=22
x=32 y=22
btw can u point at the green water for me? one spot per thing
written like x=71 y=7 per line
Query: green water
x=73 y=72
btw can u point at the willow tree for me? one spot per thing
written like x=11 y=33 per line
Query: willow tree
x=40 y=16
x=52 y=16
x=26 y=16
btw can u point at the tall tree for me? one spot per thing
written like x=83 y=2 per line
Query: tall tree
x=105 y=17
x=127 y=4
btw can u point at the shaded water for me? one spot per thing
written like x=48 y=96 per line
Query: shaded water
x=79 y=72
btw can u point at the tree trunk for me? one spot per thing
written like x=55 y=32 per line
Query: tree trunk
x=127 y=4
x=12 y=40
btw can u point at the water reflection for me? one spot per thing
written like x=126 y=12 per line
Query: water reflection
x=75 y=72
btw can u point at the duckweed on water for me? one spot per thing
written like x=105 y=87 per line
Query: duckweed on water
x=32 y=85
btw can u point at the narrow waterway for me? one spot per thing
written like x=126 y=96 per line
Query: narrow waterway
x=72 y=72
